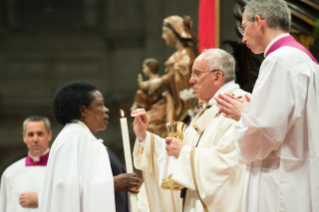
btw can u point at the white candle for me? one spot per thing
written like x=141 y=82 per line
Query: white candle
x=128 y=157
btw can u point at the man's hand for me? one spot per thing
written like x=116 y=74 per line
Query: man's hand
x=29 y=200
x=174 y=146
x=140 y=124
x=230 y=106
x=127 y=182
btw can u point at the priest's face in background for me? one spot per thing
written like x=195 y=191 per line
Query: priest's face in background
x=36 y=137
x=252 y=36
x=95 y=115
x=205 y=80
x=169 y=36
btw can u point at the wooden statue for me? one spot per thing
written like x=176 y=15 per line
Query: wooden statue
x=145 y=97
x=178 y=33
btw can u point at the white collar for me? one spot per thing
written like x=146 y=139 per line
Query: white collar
x=273 y=41
x=76 y=121
x=37 y=158
x=227 y=88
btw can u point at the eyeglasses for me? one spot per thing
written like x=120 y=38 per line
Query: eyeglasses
x=196 y=74
x=242 y=30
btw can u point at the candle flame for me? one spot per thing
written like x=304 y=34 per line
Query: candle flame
x=122 y=113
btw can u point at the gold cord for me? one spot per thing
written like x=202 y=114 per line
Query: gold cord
x=153 y=167
x=192 y=158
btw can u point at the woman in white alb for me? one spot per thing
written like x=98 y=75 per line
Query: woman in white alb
x=79 y=176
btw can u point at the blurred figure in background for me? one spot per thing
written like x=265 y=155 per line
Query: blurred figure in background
x=144 y=98
x=21 y=183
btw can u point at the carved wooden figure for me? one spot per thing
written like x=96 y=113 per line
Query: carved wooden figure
x=145 y=97
x=178 y=33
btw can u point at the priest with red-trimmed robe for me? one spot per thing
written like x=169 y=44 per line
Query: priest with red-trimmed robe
x=21 y=182
x=277 y=134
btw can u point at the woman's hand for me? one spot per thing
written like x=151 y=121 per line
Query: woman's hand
x=127 y=182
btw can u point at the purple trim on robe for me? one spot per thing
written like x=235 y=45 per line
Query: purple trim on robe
x=43 y=160
x=290 y=41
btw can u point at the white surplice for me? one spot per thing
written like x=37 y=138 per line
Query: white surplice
x=17 y=179
x=278 y=135
x=219 y=177
x=79 y=176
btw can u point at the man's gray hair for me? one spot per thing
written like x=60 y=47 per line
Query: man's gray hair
x=275 y=12
x=37 y=118
x=224 y=62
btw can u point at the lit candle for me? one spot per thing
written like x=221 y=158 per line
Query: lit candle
x=128 y=157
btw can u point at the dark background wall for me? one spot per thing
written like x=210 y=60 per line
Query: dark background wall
x=106 y=47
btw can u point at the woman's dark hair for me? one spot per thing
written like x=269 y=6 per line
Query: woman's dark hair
x=68 y=100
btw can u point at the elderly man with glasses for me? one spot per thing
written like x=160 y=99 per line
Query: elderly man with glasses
x=277 y=134
x=206 y=161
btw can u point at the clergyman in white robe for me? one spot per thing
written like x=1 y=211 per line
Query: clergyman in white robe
x=278 y=134
x=219 y=176
x=79 y=176
x=22 y=176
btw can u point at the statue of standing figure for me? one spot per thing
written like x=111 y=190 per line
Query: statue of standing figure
x=177 y=32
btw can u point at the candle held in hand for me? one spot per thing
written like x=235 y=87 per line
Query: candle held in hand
x=128 y=156
x=126 y=143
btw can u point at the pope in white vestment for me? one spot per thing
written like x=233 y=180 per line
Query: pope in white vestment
x=79 y=176
x=219 y=177
x=142 y=201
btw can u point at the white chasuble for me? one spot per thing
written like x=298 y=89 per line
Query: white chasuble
x=278 y=135
x=159 y=200
x=142 y=201
x=79 y=176
x=219 y=176
x=17 y=179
